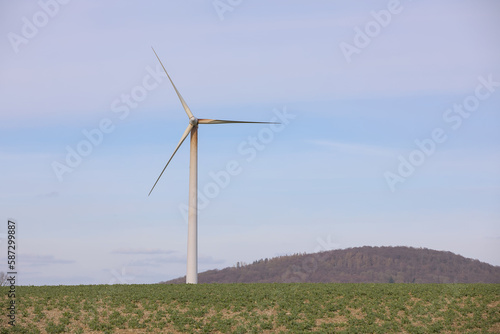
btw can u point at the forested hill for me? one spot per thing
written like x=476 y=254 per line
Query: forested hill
x=361 y=264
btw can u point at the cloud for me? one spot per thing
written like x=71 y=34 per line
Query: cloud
x=41 y=260
x=52 y=194
x=358 y=149
x=139 y=251
x=156 y=261
x=209 y=260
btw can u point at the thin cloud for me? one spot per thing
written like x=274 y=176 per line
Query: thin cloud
x=139 y=251
x=52 y=194
x=41 y=260
x=358 y=149
x=156 y=261
x=205 y=260
x=209 y=260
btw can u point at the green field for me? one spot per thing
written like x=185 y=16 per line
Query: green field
x=256 y=308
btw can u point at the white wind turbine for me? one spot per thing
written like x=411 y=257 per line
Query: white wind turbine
x=192 y=251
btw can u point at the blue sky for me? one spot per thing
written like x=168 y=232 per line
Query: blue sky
x=390 y=113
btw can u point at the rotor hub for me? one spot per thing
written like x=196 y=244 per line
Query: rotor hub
x=193 y=121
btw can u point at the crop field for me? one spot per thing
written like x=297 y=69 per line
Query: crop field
x=255 y=308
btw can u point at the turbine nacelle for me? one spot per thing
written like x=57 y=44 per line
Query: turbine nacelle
x=193 y=121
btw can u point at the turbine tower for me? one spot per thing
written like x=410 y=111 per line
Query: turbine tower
x=192 y=128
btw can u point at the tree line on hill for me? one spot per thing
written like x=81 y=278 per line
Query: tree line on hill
x=358 y=265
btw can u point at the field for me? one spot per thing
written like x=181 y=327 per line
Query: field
x=256 y=308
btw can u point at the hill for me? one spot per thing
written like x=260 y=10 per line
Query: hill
x=358 y=265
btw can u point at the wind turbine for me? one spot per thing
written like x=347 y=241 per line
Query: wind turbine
x=192 y=128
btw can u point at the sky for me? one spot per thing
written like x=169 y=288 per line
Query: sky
x=389 y=115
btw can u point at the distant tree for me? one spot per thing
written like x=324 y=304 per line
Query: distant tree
x=3 y=278
x=391 y=280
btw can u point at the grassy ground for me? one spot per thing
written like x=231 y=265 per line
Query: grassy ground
x=256 y=308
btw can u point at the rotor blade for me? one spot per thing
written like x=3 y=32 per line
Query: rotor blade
x=186 y=133
x=184 y=105
x=221 y=121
